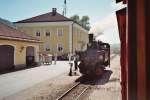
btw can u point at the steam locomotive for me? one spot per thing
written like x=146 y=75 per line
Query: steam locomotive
x=95 y=59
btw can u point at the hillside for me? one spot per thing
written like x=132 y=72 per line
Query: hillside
x=4 y=21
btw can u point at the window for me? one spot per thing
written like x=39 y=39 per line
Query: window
x=37 y=33
x=60 y=47
x=47 y=33
x=59 y=31
x=47 y=47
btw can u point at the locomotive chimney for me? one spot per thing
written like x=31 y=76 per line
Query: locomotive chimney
x=54 y=10
x=91 y=38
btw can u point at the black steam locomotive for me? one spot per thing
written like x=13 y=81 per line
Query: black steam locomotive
x=94 y=60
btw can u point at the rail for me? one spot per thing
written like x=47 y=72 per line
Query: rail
x=73 y=89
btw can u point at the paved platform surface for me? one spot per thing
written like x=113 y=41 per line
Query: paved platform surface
x=14 y=82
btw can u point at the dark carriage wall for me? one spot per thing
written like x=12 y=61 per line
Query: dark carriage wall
x=121 y=18
x=132 y=52
x=138 y=49
x=147 y=15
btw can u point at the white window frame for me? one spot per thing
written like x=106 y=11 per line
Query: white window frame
x=58 y=32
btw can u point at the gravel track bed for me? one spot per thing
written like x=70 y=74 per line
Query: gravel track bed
x=108 y=87
x=86 y=94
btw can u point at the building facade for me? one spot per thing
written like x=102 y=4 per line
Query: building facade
x=59 y=34
x=16 y=47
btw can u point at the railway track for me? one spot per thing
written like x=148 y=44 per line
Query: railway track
x=74 y=93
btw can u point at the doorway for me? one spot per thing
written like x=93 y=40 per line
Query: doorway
x=7 y=57
x=30 y=56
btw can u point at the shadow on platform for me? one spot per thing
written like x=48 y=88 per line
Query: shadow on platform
x=101 y=80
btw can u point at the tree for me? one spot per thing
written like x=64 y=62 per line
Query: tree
x=84 y=21
x=75 y=18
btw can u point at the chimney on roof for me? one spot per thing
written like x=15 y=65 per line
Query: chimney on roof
x=54 y=10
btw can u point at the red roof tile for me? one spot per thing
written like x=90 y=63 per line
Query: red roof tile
x=10 y=32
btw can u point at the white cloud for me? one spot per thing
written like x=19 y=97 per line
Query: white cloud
x=103 y=25
x=106 y=29
x=108 y=22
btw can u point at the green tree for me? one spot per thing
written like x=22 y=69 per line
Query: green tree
x=75 y=18
x=84 y=21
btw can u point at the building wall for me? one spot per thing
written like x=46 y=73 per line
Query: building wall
x=80 y=39
x=20 y=55
x=53 y=40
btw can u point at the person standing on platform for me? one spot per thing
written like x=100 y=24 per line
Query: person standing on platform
x=76 y=59
x=55 y=58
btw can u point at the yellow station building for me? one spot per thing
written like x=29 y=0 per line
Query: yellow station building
x=17 y=49
x=60 y=35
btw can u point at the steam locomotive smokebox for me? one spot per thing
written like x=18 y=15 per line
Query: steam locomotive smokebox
x=91 y=38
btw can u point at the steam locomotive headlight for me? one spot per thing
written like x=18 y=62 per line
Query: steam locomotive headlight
x=100 y=57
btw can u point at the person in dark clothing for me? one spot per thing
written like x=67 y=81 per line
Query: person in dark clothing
x=76 y=59
x=70 y=72
x=76 y=64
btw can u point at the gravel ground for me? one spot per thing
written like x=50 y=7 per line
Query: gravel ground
x=108 y=87
x=47 y=90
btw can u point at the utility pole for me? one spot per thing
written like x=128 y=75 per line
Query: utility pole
x=65 y=8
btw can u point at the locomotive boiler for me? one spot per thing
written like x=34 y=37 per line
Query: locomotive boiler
x=95 y=59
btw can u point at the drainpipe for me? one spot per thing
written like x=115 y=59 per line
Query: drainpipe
x=72 y=37
x=71 y=40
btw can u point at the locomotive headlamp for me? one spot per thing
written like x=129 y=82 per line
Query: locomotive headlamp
x=101 y=57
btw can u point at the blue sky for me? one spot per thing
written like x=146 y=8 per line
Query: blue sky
x=97 y=10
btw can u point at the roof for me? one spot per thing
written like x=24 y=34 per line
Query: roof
x=48 y=17
x=8 y=32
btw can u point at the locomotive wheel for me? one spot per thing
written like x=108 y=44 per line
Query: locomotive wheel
x=99 y=71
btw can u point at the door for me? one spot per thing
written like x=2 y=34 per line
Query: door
x=6 y=57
